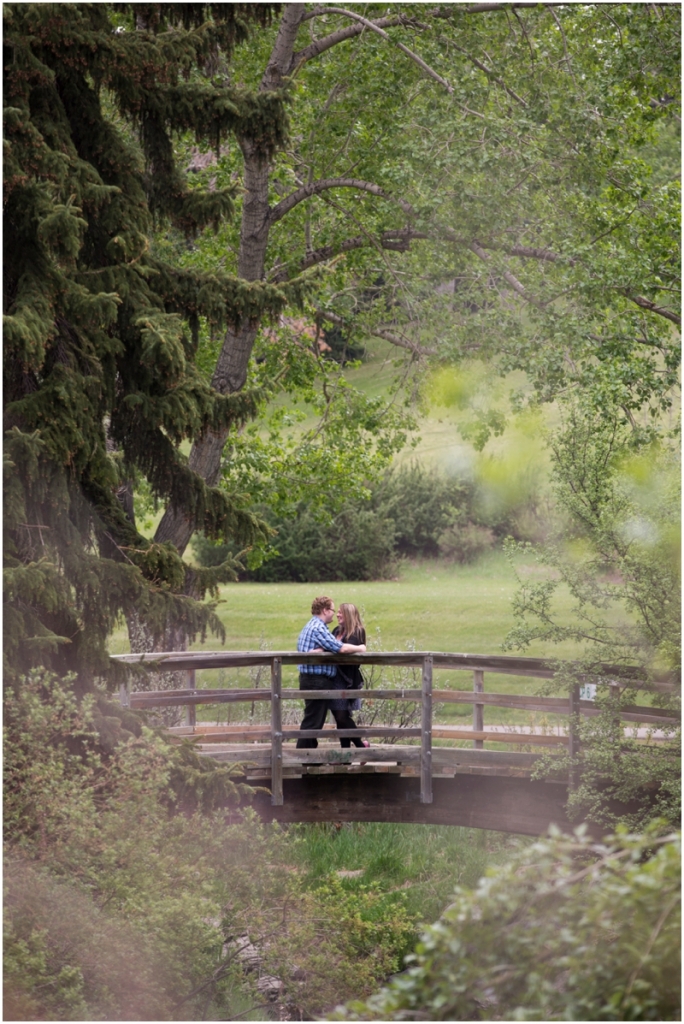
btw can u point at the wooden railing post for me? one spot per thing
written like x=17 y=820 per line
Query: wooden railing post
x=124 y=693
x=426 y=734
x=276 y=733
x=478 y=709
x=191 y=710
x=573 y=732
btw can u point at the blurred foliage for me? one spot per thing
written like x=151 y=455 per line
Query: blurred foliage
x=411 y=511
x=126 y=882
x=568 y=930
x=618 y=555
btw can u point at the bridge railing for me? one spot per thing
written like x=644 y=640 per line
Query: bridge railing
x=191 y=697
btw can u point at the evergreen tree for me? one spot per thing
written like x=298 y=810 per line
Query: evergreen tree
x=100 y=383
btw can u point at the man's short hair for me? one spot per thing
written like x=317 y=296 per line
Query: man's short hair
x=320 y=604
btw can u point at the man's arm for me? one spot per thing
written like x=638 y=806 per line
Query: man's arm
x=344 y=649
x=324 y=638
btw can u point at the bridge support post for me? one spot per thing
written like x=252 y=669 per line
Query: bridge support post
x=276 y=733
x=478 y=709
x=191 y=710
x=426 y=734
x=573 y=732
x=125 y=693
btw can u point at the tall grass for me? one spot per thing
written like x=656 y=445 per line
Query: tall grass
x=427 y=861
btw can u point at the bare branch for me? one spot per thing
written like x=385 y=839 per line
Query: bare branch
x=380 y=332
x=394 y=241
x=565 y=44
x=644 y=303
x=507 y=276
x=532 y=254
x=341 y=35
x=491 y=74
x=316 y=187
x=374 y=27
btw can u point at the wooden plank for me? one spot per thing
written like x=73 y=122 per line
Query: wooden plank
x=276 y=734
x=168 y=698
x=352 y=694
x=247 y=733
x=536 y=739
x=441 y=756
x=635 y=713
x=478 y=709
x=501 y=664
x=535 y=667
x=522 y=702
x=426 y=734
x=311 y=734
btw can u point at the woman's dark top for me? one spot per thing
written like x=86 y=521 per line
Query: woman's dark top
x=348 y=677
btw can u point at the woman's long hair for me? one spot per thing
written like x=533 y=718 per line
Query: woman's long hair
x=351 y=620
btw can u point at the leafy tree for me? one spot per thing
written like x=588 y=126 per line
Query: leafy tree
x=100 y=334
x=569 y=930
x=543 y=145
x=483 y=195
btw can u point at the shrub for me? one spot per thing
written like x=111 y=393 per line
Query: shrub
x=405 y=514
x=569 y=930
x=357 y=545
x=66 y=959
x=120 y=906
x=465 y=543
x=422 y=503
x=338 y=942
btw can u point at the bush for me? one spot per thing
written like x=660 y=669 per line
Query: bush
x=569 y=930
x=357 y=545
x=422 y=503
x=465 y=543
x=405 y=514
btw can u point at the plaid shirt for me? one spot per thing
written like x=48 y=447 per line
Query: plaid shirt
x=317 y=634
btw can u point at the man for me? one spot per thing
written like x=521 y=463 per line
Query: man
x=317 y=637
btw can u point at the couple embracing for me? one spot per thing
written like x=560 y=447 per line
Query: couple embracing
x=348 y=637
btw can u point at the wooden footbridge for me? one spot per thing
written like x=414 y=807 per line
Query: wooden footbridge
x=422 y=780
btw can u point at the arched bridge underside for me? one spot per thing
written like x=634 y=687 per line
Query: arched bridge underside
x=473 y=801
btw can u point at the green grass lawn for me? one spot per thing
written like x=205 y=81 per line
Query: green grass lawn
x=430 y=606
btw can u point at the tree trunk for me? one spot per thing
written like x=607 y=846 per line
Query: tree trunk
x=230 y=373
x=231 y=366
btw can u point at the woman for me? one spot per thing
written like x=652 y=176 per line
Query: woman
x=350 y=631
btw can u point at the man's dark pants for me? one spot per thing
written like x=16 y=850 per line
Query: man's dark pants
x=314 y=710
